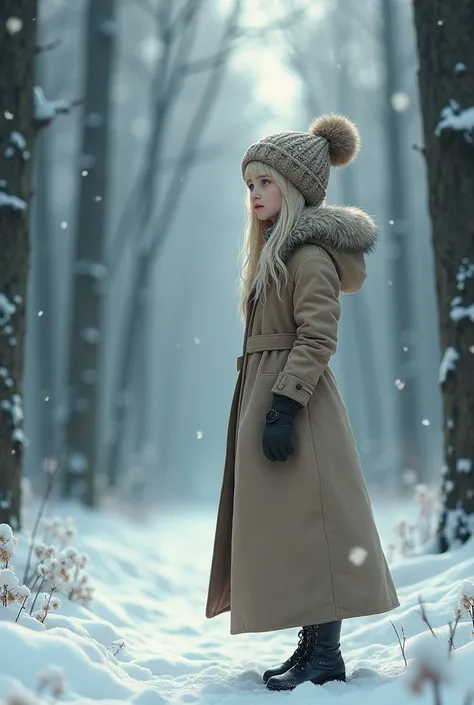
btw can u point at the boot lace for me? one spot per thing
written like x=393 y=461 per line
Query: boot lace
x=307 y=648
x=301 y=643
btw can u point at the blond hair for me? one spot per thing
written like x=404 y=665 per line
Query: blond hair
x=261 y=264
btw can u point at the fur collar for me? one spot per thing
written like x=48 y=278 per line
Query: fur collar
x=344 y=229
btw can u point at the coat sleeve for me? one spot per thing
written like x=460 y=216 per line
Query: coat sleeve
x=316 y=311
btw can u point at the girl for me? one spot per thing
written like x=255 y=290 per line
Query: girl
x=296 y=543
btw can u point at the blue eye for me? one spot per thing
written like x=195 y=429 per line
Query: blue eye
x=250 y=187
x=265 y=180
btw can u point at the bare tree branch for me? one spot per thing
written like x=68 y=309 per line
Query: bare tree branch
x=166 y=88
x=155 y=235
x=205 y=64
x=48 y=110
x=147 y=7
x=183 y=17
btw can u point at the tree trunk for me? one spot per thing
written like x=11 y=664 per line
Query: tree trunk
x=41 y=248
x=17 y=63
x=446 y=79
x=407 y=417
x=86 y=324
x=362 y=373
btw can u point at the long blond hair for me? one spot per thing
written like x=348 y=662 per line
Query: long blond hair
x=261 y=264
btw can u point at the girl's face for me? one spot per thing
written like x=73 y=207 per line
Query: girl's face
x=265 y=197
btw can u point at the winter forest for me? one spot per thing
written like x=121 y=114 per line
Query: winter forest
x=123 y=124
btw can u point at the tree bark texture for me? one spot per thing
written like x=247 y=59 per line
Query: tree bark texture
x=446 y=80
x=17 y=62
x=89 y=271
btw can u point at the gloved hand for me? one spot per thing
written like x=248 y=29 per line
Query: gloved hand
x=277 y=440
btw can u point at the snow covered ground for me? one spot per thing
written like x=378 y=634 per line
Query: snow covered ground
x=150 y=581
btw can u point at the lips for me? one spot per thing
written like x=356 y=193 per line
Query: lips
x=257 y=206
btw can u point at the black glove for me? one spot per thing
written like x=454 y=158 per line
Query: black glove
x=277 y=440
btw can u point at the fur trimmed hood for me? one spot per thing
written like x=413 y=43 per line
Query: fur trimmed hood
x=344 y=229
x=346 y=232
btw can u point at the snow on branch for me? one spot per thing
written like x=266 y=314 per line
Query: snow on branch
x=455 y=119
x=459 y=312
x=8 y=201
x=45 y=111
x=448 y=363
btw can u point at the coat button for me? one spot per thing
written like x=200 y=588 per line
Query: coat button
x=299 y=386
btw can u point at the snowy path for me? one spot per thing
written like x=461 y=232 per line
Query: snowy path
x=150 y=588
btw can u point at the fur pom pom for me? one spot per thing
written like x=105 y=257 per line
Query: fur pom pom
x=342 y=136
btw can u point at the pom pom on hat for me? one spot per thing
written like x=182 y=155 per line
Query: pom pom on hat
x=342 y=136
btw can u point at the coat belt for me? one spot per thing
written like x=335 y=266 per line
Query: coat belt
x=277 y=341
x=260 y=343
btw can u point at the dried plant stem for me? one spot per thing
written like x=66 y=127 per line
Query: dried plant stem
x=21 y=609
x=120 y=644
x=39 y=516
x=424 y=617
x=402 y=644
x=452 y=632
x=437 y=693
x=36 y=597
x=34 y=584
x=47 y=606
x=71 y=591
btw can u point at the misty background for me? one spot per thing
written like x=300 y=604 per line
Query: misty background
x=161 y=230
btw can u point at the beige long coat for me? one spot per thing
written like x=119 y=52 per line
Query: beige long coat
x=296 y=541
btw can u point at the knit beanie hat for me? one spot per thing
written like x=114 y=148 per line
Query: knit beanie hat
x=305 y=158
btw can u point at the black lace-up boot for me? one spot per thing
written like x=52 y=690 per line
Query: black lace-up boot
x=319 y=662
x=290 y=662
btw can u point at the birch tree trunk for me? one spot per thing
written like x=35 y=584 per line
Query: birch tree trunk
x=446 y=81
x=17 y=64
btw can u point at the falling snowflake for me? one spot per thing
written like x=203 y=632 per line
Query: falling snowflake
x=14 y=25
x=357 y=555
x=199 y=435
x=400 y=101
x=409 y=477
